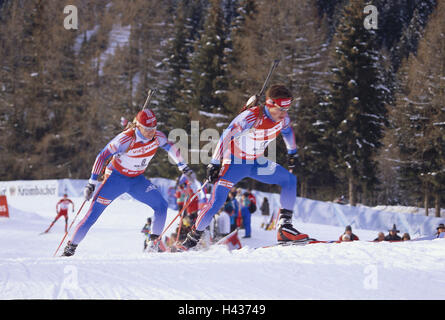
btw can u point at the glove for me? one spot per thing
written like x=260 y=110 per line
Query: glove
x=292 y=160
x=213 y=172
x=187 y=171
x=89 y=190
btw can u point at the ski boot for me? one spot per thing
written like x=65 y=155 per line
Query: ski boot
x=152 y=245
x=286 y=232
x=192 y=240
x=69 y=250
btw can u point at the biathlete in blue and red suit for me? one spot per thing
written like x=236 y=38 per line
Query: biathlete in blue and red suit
x=241 y=149
x=130 y=153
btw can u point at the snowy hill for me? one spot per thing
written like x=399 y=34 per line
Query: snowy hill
x=110 y=264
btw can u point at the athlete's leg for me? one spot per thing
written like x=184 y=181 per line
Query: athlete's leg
x=52 y=223
x=109 y=190
x=272 y=173
x=146 y=192
x=230 y=175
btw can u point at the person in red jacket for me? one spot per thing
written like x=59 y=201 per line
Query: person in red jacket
x=62 y=210
x=193 y=207
x=180 y=195
x=348 y=233
x=253 y=206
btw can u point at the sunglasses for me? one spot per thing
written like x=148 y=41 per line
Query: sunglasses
x=282 y=109
x=147 y=128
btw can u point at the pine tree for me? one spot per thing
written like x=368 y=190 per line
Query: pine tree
x=179 y=51
x=419 y=115
x=239 y=85
x=43 y=84
x=208 y=64
x=357 y=99
x=410 y=35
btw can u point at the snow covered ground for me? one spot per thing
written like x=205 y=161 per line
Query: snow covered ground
x=110 y=264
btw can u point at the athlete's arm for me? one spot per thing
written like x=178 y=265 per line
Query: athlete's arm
x=172 y=151
x=118 y=144
x=289 y=136
x=244 y=121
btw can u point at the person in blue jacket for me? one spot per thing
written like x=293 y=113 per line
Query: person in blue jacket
x=245 y=214
x=234 y=208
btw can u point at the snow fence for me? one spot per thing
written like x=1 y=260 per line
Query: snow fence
x=306 y=210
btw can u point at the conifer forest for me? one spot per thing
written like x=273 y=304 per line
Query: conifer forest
x=369 y=110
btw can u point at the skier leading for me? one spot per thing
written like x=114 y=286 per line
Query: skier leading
x=130 y=153
x=241 y=149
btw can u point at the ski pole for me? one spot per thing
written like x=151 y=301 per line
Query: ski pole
x=276 y=220
x=149 y=96
x=180 y=212
x=66 y=233
x=180 y=227
x=254 y=99
x=269 y=75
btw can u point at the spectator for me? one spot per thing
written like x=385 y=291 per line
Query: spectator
x=232 y=209
x=192 y=209
x=180 y=195
x=238 y=217
x=392 y=236
x=245 y=213
x=406 y=237
x=340 y=200
x=265 y=211
x=170 y=241
x=147 y=227
x=253 y=206
x=222 y=224
x=184 y=229
x=146 y=230
x=440 y=228
x=348 y=231
x=380 y=237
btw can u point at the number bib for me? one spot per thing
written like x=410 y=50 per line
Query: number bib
x=134 y=162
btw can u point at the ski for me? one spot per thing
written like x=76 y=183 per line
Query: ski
x=298 y=243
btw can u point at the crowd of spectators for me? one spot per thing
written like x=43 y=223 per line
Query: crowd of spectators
x=393 y=234
x=236 y=213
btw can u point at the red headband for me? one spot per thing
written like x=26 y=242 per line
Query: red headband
x=281 y=102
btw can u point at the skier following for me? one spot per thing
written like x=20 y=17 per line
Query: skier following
x=130 y=153
x=241 y=149
x=62 y=210
x=192 y=185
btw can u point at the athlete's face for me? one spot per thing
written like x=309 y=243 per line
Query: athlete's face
x=277 y=113
x=148 y=133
